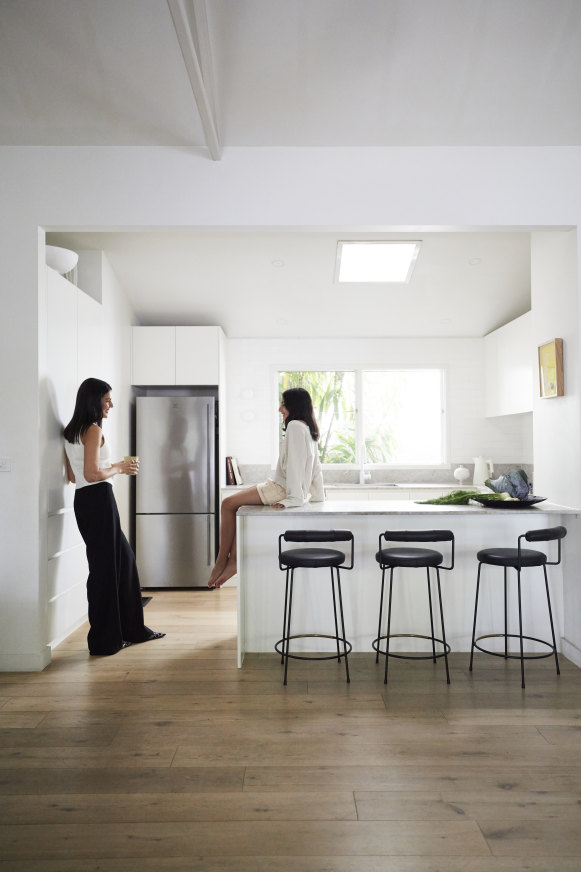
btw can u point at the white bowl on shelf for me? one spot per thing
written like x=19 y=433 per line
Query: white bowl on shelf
x=63 y=260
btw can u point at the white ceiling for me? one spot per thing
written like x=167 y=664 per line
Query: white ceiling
x=292 y=72
x=308 y=73
x=282 y=283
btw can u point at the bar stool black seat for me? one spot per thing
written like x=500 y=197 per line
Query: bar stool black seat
x=519 y=558
x=313 y=558
x=406 y=557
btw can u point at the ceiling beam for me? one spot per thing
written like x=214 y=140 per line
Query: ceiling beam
x=191 y=26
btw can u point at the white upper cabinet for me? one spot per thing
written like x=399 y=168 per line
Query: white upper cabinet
x=198 y=355
x=509 y=363
x=177 y=355
x=153 y=356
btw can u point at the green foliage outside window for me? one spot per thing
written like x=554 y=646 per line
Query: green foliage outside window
x=401 y=418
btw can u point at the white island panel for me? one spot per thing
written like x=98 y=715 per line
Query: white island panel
x=261 y=583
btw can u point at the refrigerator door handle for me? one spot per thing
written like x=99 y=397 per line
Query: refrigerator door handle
x=208 y=457
x=209 y=540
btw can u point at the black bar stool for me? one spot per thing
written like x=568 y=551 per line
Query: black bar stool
x=306 y=558
x=519 y=558
x=390 y=558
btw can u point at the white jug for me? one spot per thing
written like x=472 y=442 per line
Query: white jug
x=483 y=469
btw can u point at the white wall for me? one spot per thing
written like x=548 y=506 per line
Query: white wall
x=116 y=188
x=557 y=421
x=251 y=363
x=83 y=339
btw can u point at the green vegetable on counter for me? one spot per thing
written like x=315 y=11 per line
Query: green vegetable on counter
x=456 y=498
x=462 y=498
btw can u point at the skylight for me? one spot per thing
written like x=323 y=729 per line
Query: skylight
x=376 y=261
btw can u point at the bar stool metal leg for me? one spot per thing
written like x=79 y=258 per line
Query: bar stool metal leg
x=505 y=613
x=475 y=612
x=380 y=614
x=335 y=614
x=522 y=659
x=551 y=620
x=431 y=615
x=284 y=618
x=388 y=625
x=443 y=628
x=343 y=626
x=288 y=629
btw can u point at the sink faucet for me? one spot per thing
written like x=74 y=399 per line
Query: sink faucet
x=364 y=475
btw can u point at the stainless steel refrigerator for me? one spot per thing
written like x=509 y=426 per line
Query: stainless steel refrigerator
x=175 y=495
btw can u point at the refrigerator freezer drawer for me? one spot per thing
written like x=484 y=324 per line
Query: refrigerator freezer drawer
x=174 y=550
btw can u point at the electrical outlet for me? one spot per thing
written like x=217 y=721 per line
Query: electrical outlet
x=5 y=465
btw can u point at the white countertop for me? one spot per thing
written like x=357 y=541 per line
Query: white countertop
x=404 y=485
x=402 y=507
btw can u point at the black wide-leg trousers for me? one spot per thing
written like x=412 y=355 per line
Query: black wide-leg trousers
x=113 y=589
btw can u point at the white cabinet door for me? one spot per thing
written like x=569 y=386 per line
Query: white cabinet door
x=427 y=493
x=509 y=359
x=346 y=494
x=153 y=356
x=389 y=493
x=197 y=355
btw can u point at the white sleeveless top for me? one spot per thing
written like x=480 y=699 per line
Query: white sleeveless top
x=76 y=454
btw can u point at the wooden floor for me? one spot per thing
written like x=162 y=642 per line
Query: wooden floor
x=167 y=757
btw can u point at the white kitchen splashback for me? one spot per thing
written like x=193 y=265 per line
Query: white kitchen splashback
x=252 y=366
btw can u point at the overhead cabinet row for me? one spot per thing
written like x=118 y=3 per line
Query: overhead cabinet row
x=177 y=355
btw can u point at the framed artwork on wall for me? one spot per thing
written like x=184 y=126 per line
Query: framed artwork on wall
x=551 y=369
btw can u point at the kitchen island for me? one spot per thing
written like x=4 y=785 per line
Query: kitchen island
x=261 y=583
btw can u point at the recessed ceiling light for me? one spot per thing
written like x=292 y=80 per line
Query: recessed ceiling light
x=378 y=261
x=277 y=263
x=475 y=261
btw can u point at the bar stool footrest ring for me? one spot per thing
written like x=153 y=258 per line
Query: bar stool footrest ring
x=549 y=645
x=335 y=656
x=430 y=656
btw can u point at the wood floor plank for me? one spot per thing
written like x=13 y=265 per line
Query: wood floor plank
x=564 y=735
x=334 y=753
x=83 y=758
x=156 y=807
x=87 y=781
x=300 y=864
x=479 y=805
x=454 y=776
x=249 y=838
x=46 y=737
x=561 y=838
x=20 y=720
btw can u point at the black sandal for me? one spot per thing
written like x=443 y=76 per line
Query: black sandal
x=154 y=636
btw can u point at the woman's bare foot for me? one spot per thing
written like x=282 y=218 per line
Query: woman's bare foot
x=219 y=568
x=228 y=572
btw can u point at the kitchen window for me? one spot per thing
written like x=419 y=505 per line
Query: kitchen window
x=387 y=417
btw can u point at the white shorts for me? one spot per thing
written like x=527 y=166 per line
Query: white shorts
x=270 y=492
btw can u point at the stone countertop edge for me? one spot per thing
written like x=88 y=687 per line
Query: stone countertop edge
x=406 y=485
x=401 y=507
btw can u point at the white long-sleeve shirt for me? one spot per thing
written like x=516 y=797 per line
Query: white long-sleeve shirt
x=298 y=469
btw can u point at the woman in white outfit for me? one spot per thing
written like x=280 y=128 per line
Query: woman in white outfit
x=298 y=478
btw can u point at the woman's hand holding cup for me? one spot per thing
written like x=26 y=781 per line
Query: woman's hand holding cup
x=130 y=465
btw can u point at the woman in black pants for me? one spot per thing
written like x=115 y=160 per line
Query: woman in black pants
x=113 y=589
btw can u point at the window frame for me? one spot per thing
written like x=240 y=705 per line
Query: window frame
x=359 y=410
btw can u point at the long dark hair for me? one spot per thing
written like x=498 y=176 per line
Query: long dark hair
x=300 y=408
x=88 y=408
